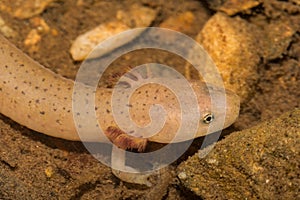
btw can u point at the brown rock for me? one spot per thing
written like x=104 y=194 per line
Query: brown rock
x=137 y=16
x=235 y=49
x=232 y=7
x=258 y=163
x=181 y=23
x=28 y=8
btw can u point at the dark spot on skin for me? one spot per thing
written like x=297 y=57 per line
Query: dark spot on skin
x=69 y=111
x=44 y=98
x=78 y=114
x=0 y=89
x=58 y=89
x=50 y=85
x=64 y=108
x=65 y=98
x=107 y=102
x=155 y=97
x=79 y=126
x=45 y=90
x=69 y=88
x=26 y=71
x=23 y=92
x=43 y=80
x=58 y=121
x=36 y=87
x=37 y=101
x=107 y=111
x=21 y=65
x=6 y=66
x=129 y=105
x=96 y=108
x=28 y=116
x=42 y=112
x=54 y=109
x=16 y=87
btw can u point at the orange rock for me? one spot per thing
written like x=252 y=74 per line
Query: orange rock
x=181 y=23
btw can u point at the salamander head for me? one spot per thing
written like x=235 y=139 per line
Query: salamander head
x=218 y=113
x=218 y=110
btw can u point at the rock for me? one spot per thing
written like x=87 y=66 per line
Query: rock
x=232 y=7
x=233 y=45
x=278 y=36
x=6 y=30
x=182 y=23
x=137 y=16
x=296 y=2
x=257 y=163
x=40 y=24
x=34 y=37
x=24 y=9
x=32 y=40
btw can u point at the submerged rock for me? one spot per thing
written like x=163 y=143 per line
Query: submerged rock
x=183 y=22
x=233 y=45
x=258 y=163
x=137 y=16
x=25 y=9
x=232 y=7
x=6 y=30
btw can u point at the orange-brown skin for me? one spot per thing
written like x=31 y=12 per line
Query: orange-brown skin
x=41 y=100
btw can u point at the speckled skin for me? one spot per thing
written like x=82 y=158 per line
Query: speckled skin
x=41 y=100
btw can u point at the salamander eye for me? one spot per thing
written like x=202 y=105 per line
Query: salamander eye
x=208 y=118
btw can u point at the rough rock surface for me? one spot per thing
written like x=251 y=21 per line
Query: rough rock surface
x=257 y=163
